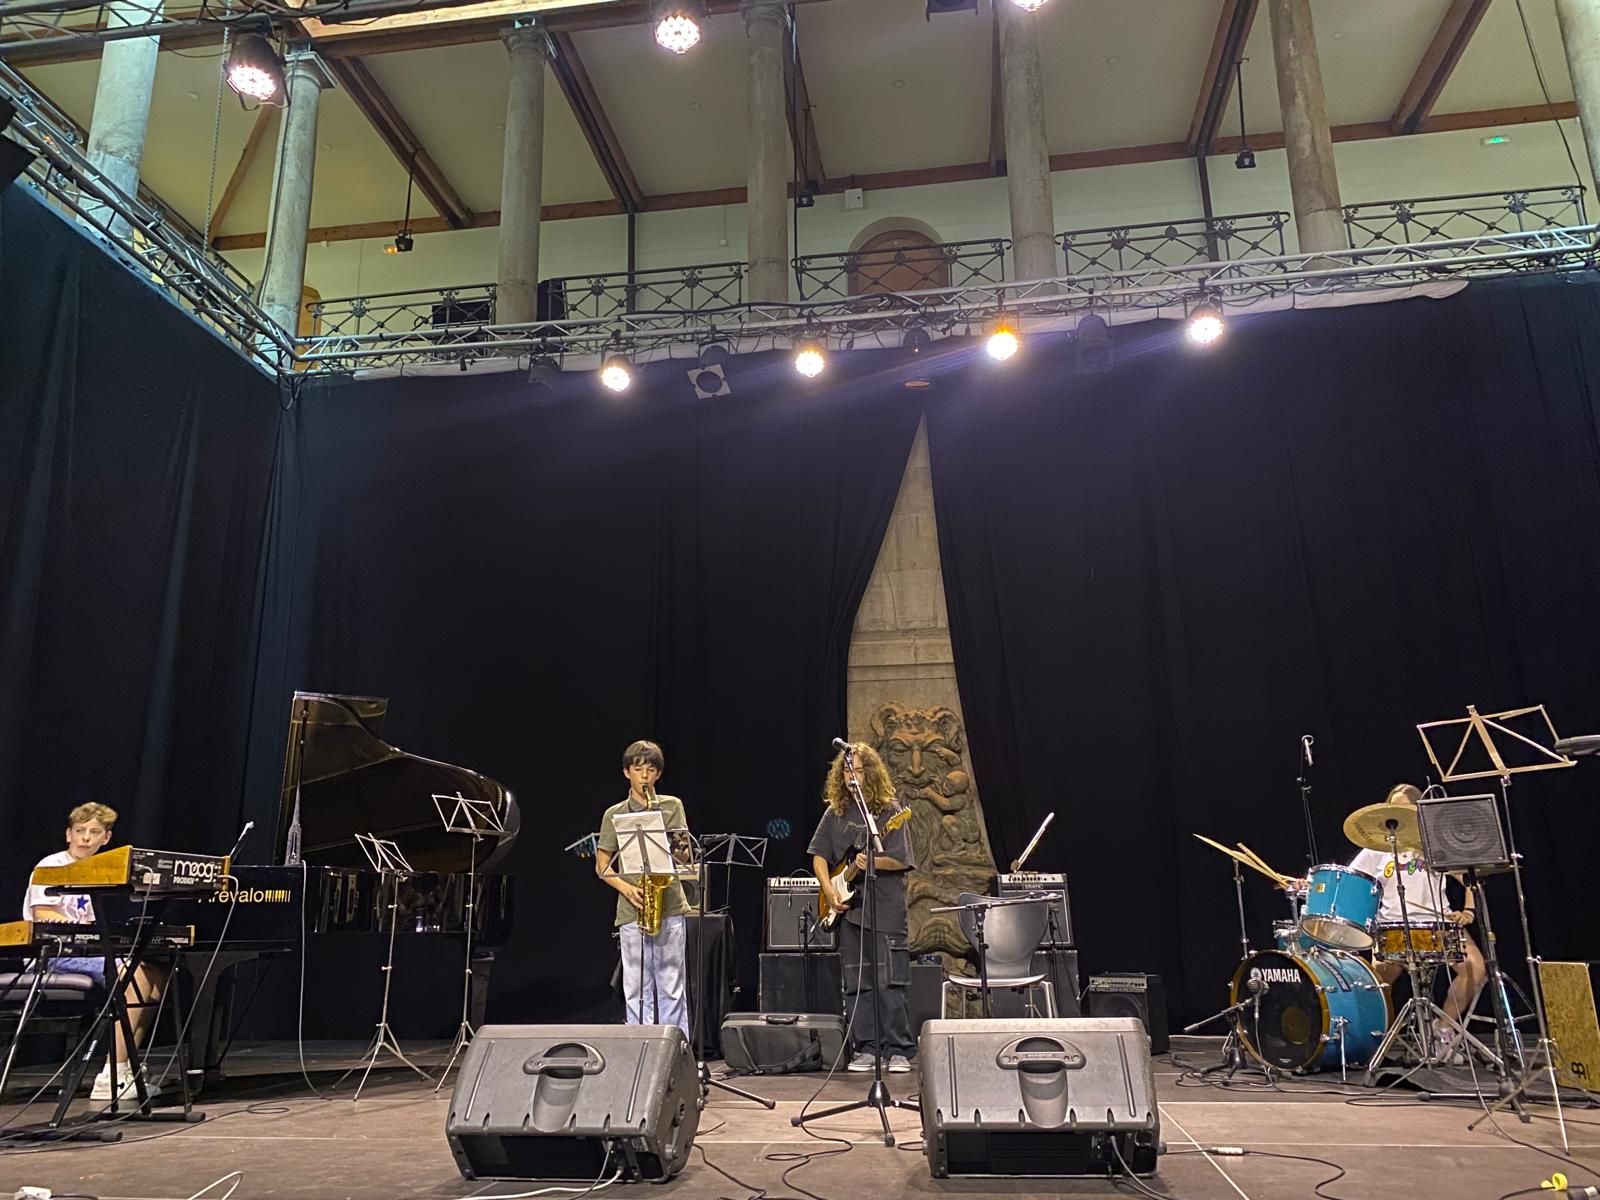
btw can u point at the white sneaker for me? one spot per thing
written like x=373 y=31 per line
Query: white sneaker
x=860 y=1063
x=900 y=1064
x=126 y=1090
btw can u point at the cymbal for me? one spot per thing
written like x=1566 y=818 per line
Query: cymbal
x=1369 y=827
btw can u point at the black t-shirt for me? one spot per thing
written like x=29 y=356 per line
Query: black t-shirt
x=837 y=838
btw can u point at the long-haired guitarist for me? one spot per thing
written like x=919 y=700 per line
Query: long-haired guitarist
x=839 y=861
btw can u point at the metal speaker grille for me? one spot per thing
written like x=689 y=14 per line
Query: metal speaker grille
x=1463 y=831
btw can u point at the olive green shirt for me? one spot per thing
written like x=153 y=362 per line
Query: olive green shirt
x=673 y=903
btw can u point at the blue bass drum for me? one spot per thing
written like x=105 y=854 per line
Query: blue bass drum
x=1309 y=1004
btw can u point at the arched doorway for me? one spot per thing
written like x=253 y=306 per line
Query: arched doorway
x=898 y=260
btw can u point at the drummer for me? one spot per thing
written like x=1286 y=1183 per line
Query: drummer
x=1425 y=902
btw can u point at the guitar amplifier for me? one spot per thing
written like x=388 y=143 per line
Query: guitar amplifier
x=792 y=915
x=1039 y=1097
x=1020 y=883
x=575 y=1102
x=1129 y=994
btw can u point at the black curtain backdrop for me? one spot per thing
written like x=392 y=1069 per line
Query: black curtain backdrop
x=536 y=579
x=1338 y=523
x=134 y=449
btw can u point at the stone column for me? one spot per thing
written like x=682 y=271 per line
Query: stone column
x=770 y=156
x=522 y=177
x=122 y=102
x=1307 y=141
x=903 y=701
x=1033 y=217
x=289 y=220
x=1580 y=32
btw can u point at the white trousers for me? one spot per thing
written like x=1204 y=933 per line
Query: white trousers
x=654 y=981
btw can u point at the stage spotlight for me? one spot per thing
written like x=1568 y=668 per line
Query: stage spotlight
x=1003 y=341
x=543 y=371
x=810 y=359
x=1205 y=324
x=255 y=71
x=677 y=24
x=1029 y=5
x=916 y=339
x=617 y=373
x=1094 y=345
x=714 y=354
x=709 y=377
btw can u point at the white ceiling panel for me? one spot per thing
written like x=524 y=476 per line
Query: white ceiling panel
x=465 y=135
x=1369 y=49
x=1497 y=70
x=893 y=91
x=679 y=119
x=1110 y=83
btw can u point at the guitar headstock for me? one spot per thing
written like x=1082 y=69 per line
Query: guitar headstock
x=900 y=817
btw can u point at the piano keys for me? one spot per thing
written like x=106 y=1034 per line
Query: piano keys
x=65 y=939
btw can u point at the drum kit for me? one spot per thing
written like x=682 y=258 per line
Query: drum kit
x=1314 y=1001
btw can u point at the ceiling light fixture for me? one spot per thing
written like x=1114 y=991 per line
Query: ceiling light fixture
x=254 y=70
x=617 y=373
x=1205 y=324
x=810 y=359
x=1094 y=345
x=1003 y=341
x=678 y=23
x=1245 y=160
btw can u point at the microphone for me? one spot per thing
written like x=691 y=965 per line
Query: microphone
x=841 y=744
x=1256 y=984
x=243 y=833
x=1305 y=748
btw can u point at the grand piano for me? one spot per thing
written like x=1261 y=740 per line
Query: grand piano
x=340 y=779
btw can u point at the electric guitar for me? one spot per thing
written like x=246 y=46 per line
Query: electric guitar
x=844 y=873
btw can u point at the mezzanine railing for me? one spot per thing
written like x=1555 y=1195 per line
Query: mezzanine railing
x=1474 y=214
x=823 y=277
x=1118 y=248
x=699 y=288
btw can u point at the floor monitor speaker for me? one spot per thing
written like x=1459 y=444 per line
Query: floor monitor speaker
x=1065 y=1096
x=575 y=1102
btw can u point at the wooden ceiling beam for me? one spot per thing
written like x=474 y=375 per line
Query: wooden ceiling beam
x=1460 y=22
x=357 y=79
x=266 y=124
x=997 y=111
x=802 y=128
x=1082 y=160
x=1216 y=85
x=586 y=107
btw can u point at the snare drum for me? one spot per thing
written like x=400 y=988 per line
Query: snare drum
x=1313 y=1008
x=1341 y=907
x=1431 y=941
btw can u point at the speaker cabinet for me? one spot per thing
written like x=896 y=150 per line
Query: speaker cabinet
x=574 y=1102
x=791 y=916
x=1463 y=831
x=1130 y=994
x=1052 y=1097
x=805 y=983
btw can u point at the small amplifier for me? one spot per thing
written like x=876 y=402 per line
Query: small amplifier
x=791 y=922
x=1130 y=994
x=1020 y=883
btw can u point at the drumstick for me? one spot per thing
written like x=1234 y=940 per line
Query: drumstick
x=1283 y=880
x=1237 y=857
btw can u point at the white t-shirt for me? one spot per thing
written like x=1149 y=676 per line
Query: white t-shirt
x=78 y=907
x=1425 y=894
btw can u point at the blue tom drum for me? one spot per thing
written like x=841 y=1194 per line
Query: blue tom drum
x=1341 y=908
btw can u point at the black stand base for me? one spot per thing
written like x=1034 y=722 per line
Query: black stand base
x=707 y=1083
x=878 y=1097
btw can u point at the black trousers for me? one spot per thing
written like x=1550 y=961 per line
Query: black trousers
x=892 y=986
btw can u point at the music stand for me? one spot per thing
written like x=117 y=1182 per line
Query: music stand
x=385 y=858
x=1497 y=746
x=476 y=819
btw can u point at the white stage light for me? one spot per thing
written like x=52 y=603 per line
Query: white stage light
x=810 y=359
x=1205 y=324
x=1003 y=341
x=255 y=71
x=617 y=373
x=678 y=24
x=1029 y=5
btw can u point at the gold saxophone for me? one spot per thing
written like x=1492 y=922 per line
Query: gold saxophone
x=654 y=888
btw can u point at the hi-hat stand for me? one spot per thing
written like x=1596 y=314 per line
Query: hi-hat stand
x=1478 y=755
x=390 y=863
x=878 y=1096
x=476 y=819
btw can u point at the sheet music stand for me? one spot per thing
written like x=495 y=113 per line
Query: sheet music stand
x=385 y=858
x=1498 y=745
x=728 y=850
x=476 y=819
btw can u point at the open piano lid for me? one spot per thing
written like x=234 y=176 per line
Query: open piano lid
x=351 y=781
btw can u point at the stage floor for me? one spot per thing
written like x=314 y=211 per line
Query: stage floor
x=290 y=1145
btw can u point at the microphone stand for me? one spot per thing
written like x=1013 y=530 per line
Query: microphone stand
x=1304 y=780
x=878 y=1095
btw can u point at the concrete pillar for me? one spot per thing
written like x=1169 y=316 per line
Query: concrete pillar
x=122 y=101
x=1313 y=178
x=522 y=177
x=1580 y=32
x=289 y=220
x=771 y=158
x=1033 y=217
